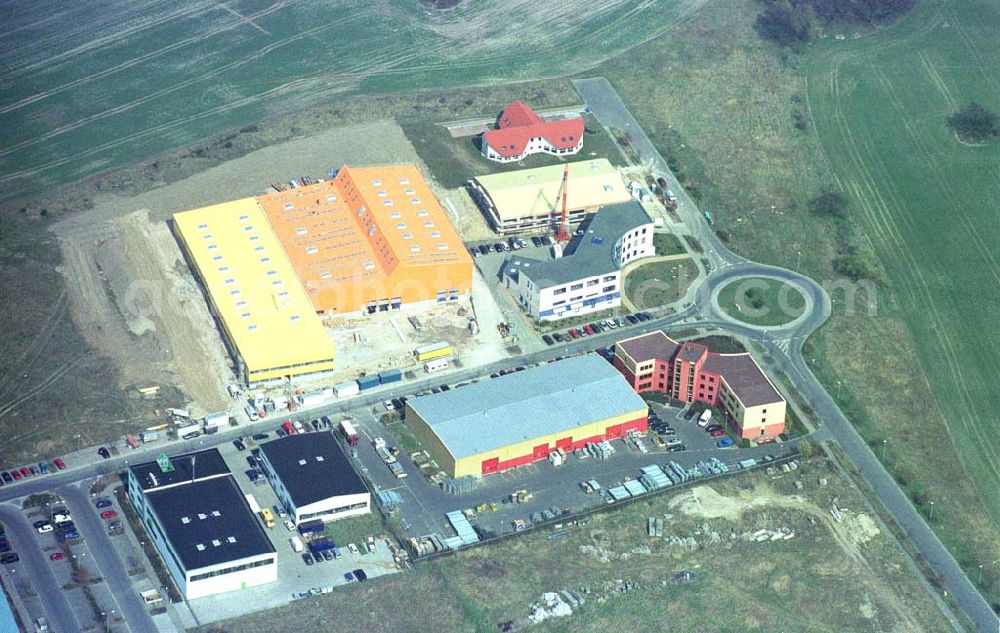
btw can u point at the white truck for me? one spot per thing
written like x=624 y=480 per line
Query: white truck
x=706 y=417
x=296 y=543
x=252 y=501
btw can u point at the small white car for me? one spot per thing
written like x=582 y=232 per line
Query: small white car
x=389 y=406
x=42 y=529
x=351 y=547
x=289 y=525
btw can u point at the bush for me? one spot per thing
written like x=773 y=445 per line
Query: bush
x=830 y=203
x=856 y=266
x=784 y=25
x=974 y=123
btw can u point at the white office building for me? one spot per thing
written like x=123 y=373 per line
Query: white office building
x=202 y=525
x=588 y=277
x=313 y=478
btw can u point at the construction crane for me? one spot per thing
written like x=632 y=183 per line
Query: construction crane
x=563 y=234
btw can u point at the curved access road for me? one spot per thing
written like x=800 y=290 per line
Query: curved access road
x=784 y=343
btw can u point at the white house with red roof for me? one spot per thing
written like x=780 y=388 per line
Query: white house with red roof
x=521 y=132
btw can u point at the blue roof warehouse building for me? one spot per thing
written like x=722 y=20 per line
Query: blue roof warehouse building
x=201 y=523
x=505 y=422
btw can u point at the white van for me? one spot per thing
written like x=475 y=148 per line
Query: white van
x=435 y=365
x=296 y=543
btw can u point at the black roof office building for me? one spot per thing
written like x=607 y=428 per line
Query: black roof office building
x=313 y=477
x=202 y=525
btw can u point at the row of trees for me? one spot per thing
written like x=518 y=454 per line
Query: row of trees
x=789 y=23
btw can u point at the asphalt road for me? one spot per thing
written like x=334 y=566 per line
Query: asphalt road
x=36 y=566
x=93 y=529
x=785 y=344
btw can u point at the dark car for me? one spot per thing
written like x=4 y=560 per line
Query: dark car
x=484 y=249
x=558 y=337
x=360 y=575
x=104 y=502
x=307 y=559
x=251 y=461
x=7 y=477
x=445 y=388
x=677 y=449
x=498 y=247
x=712 y=427
x=240 y=446
x=349 y=577
x=631 y=318
x=72 y=535
x=39 y=524
x=327 y=554
x=548 y=339
x=690 y=414
x=537 y=241
x=315 y=424
x=398 y=403
x=9 y=558
x=318 y=557
x=260 y=436
x=643 y=316
x=114 y=525
x=104 y=452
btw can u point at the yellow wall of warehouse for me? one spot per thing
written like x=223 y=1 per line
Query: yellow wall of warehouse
x=430 y=441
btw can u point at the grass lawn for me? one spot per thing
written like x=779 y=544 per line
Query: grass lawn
x=668 y=244
x=724 y=116
x=762 y=301
x=453 y=161
x=659 y=283
x=354 y=529
x=843 y=573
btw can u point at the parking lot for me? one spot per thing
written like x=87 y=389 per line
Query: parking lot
x=425 y=504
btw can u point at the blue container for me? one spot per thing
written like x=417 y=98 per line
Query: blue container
x=390 y=375
x=367 y=382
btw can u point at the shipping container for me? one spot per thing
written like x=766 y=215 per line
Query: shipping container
x=435 y=350
x=149 y=436
x=346 y=389
x=435 y=365
x=179 y=413
x=314 y=399
x=217 y=419
x=390 y=375
x=311 y=527
x=368 y=382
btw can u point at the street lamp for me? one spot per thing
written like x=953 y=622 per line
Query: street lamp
x=884 y=442
x=838 y=390
x=798 y=260
x=932 y=511
x=980 y=581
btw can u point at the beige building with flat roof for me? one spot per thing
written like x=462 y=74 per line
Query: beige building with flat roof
x=530 y=200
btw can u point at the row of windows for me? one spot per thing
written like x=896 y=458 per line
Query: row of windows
x=232 y=570
x=347 y=508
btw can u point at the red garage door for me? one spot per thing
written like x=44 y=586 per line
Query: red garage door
x=541 y=451
x=565 y=443
x=491 y=466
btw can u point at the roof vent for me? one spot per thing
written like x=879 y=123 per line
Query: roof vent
x=216 y=513
x=216 y=542
x=231 y=539
x=202 y=516
x=185 y=520
x=319 y=458
x=200 y=547
x=302 y=462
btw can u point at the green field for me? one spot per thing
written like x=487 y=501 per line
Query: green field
x=762 y=301
x=658 y=283
x=88 y=87
x=668 y=244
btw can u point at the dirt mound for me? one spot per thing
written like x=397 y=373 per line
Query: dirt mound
x=707 y=503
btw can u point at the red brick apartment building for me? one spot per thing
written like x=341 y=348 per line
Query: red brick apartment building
x=689 y=372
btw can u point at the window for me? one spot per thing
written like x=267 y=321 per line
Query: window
x=414 y=201
x=407 y=236
x=387 y=203
x=559 y=291
x=272 y=273
x=442 y=246
x=428 y=224
x=213 y=247
x=608 y=289
x=404 y=181
x=401 y=225
x=325 y=275
x=609 y=188
x=230 y=281
x=248 y=228
x=592 y=282
x=265 y=260
x=252 y=327
x=576 y=286
x=415 y=248
x=258 y=249
x=608 y=278
x=395 y=215
x=223 y=269
x=376 y=183
x=381 y=193
x=312 y=250
x=294 y=318
x=301 y=230
x=435 y=233
x=202 y=227
x=422 y=213
x=331 y=198
x=254 y=238
x=217 y=258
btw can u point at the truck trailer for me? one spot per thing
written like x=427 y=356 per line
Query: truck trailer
x=349 y=432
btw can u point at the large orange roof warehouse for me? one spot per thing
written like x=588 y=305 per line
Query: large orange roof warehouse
x=372 y=235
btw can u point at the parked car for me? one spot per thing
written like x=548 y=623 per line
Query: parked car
x=558 y=337
x=15 y=473
x=289 y=525
x=677 y=448
x=631 y=318
x=690 y=414
x=336 y=553
x=537 y=241
x=103 y=502
x=114 y=525
x=9 y=558
x=260 y=436
x=360 y=575
x=252 y=461
x=588 y=329
x=107 y=515
x=40 y=525
x=498 y=247
x=25 y=471
x=718 y=433
x=318 y=557
x=352 y=548
x=104 y=452
x=327 y=554
x=240 y=446
x=547 y=339
x=674 y=442
x=574 y=333
x=57 y=555
x=643 y=316
x=724 y=442
x=60 y=464
x=43 y=467
x=279 y=510
x=307 y=558
x=349 y=577
x=484 y=249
